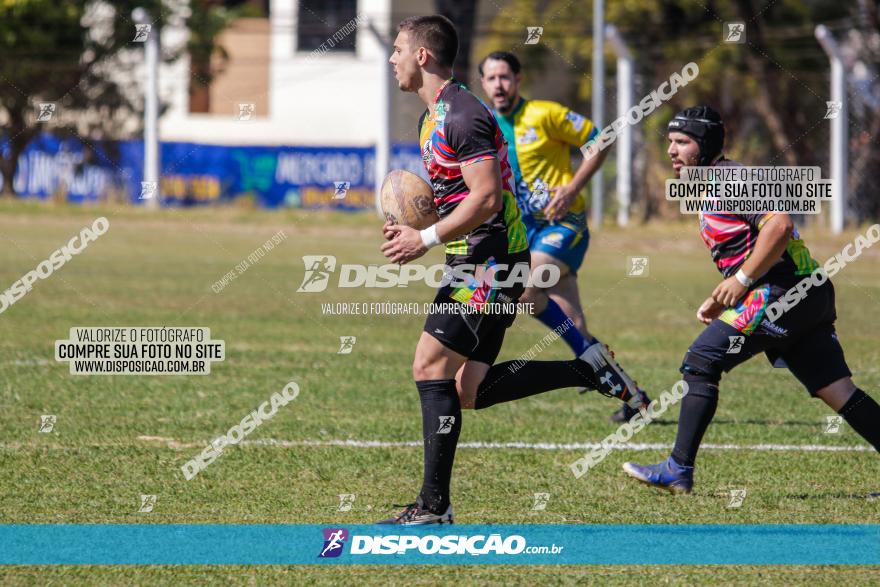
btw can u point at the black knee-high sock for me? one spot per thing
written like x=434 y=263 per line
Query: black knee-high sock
x=513 y=380
x=697 y=409
x=863 y=414
x=441 y=426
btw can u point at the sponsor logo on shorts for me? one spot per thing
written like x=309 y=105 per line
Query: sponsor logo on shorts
x=773 y=329
x=553 y=239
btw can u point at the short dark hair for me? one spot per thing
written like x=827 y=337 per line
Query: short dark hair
x=505 y=56
x=435 y=33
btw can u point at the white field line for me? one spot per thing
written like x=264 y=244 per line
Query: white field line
x=521 y=445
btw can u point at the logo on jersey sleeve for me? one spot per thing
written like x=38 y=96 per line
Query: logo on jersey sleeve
x=576 y=120
x=553 y=239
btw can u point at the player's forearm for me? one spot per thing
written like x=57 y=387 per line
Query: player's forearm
x=769 y=247
x=484 y=199
x=588 y=167
x=474 y=210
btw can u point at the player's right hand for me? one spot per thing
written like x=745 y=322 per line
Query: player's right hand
x=709 y=311
x=406 y=246
x=387 y=232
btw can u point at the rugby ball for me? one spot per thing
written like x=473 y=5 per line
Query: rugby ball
x=408 y=199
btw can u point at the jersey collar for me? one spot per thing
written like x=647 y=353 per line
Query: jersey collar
x=441 y=88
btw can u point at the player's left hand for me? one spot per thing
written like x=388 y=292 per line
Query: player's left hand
x=709 y=311
x=729 y=292
x=387 y=232
x=563 y=198
x=404 y=247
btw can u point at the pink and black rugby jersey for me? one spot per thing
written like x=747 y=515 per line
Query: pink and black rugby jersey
x=732 y=237
x=456 y=131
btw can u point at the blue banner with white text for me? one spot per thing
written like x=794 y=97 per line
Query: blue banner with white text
x=195 y=174
x=184 y=544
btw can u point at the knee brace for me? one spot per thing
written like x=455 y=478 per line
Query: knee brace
x=700 y=376
x=698 y=370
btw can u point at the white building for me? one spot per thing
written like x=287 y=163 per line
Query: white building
x=311 y=79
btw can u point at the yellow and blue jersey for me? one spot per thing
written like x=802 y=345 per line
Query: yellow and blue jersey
x=540 y=135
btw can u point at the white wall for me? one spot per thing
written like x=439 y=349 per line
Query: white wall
x=329 y=99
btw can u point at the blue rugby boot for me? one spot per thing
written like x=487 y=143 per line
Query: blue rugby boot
x=667 y=475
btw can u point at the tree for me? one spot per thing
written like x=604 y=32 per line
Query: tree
x=79 y=56
x=53 y=53
x=207 y=19
x=771 y=89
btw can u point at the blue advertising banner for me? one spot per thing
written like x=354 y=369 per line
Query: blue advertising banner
x=180 y=544
x=194 y=174
x=49 y=165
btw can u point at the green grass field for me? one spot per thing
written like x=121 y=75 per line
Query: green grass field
x=118 y=437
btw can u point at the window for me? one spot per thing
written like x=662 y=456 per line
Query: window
x=320 y=22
